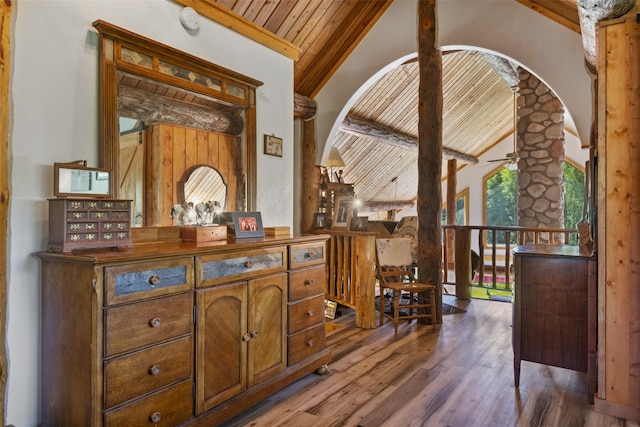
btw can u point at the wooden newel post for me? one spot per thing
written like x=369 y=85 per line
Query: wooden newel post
x=463 y=262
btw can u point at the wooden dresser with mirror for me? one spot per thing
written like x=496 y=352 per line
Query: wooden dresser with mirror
x=160 y=331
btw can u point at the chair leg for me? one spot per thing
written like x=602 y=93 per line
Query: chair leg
x=396 y=310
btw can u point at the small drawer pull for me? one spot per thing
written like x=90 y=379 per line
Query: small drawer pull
x=308 y=255
x=155 y=322
x=246 y=337
x=248 y=264
x=154 y=280
x=310 y=313
x=154 y=370
x=310 y=343
x=308 y=282
x=155 y=417
x=254 y=334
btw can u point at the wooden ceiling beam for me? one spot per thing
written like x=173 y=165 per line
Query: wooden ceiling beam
x=368 y=129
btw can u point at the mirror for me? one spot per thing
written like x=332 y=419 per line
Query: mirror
x=205 y=185
x=185 y=112
x=74 y=179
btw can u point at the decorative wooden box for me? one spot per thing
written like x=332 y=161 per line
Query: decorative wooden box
x=89 y=223
x=205 y=233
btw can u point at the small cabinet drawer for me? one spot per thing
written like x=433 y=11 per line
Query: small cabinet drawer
x=306 y=313
x=306 y=254
x=306 y=343
x=227 y=267
x=137 y=281
x=306 y=282
x=139 y=373
x=167 y=408
x=132 y=326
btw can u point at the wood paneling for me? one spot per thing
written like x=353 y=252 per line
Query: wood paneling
x=176 y=150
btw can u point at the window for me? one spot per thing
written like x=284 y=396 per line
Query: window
x=462 y=208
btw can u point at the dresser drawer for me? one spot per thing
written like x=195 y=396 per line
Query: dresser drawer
x=306 y=282
x=166 y=408
x=306 y=254
x=139 y=281
x=131 y=326
x=139 y=373
x=306 y=343
x=227 y=267
x=306 y=313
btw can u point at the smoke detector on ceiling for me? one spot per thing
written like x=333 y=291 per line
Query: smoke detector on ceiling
x=189 y=19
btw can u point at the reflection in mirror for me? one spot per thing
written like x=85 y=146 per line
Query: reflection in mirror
x=81 y=182
x=205 y=195
x=130 y=180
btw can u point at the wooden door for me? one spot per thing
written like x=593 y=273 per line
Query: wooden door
x=267 y=327
x=221 y=349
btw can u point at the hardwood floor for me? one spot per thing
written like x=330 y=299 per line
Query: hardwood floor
x=459 y=376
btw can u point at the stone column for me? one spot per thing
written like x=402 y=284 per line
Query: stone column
x=540 y=142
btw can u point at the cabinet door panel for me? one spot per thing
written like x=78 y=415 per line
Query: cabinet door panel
x=267 y=327
x=221 y=353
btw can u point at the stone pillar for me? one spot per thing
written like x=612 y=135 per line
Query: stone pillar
x=540 y=142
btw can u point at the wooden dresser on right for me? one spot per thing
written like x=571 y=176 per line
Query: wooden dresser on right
x=555 y=309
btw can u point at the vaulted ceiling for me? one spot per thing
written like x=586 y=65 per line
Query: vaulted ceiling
x=475 y=94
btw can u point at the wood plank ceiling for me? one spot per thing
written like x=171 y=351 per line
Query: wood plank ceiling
x=478 y=104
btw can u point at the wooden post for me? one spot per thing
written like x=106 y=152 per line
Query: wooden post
x=452 y=183
x=429 y=151
x=365 y=277
x=463 y=262
x=5 y=72
x=310 y=199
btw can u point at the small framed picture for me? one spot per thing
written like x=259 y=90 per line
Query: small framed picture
x=319 y=221
x=247 y=224
x=330 y=308
x=342 y=212
x=273 y=145
x=359 y=223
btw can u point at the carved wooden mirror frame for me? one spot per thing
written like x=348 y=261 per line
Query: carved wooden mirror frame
x=125 y=52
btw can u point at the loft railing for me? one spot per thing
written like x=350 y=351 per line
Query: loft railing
x=493 y=246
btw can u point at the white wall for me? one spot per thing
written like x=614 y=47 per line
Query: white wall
x=54 y=118
x=508 y=28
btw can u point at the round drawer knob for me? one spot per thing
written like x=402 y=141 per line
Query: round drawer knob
x=248 y=264
x=246 y=337
x=154 y=280
x=254 y=334
x=155 y=417
x=309 y=255
x=310 y=343
x=308 y=282
x=155 y=322
x=310 y=313
x=154 y=370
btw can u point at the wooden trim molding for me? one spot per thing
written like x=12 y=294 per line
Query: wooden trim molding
x=240 y=25
x=5 y=81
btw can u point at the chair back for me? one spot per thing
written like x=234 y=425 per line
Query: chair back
x=394 y=259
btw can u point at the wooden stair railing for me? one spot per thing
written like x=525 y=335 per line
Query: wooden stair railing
x=498 y=263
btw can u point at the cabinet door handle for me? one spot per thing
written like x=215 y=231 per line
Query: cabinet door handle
x=248 y=264
x=154 y=370
x=310 y=343
x=155 y=322
x=154 y=280
x=246 y=337
x=254 y=334
x=308 y=282
x=155 y=417
x=310 y=313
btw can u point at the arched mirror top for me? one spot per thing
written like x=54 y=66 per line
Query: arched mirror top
x=155 y=84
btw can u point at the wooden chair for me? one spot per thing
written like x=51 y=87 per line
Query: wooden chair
x=394 y=264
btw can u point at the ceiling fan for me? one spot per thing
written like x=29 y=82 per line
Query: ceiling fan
x=513 y=157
